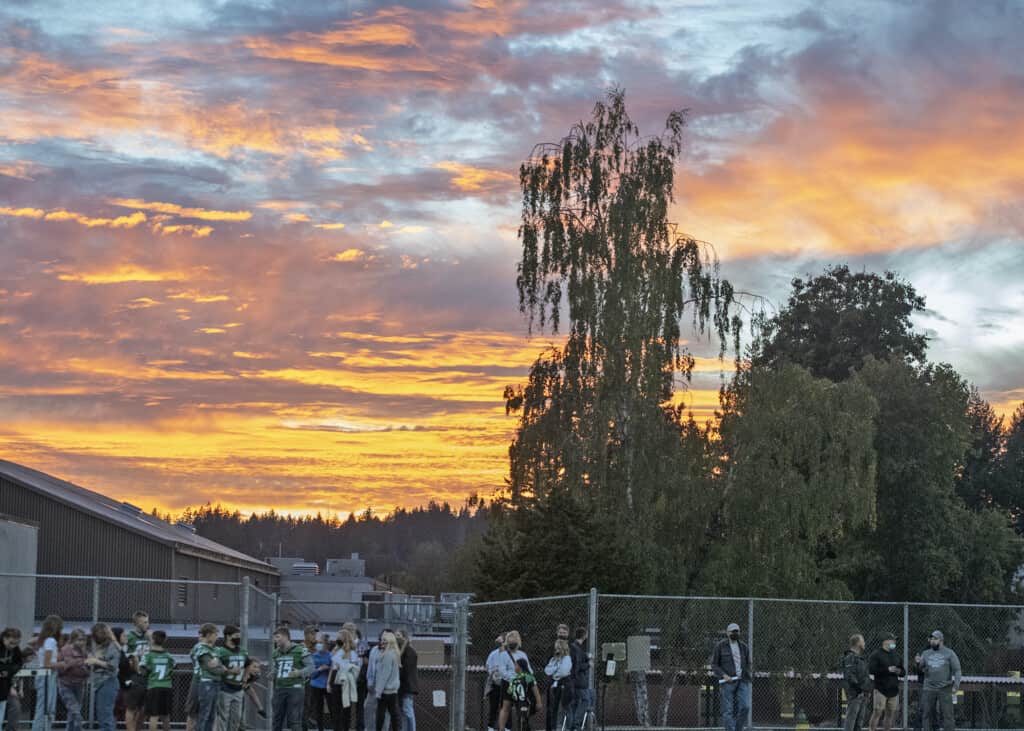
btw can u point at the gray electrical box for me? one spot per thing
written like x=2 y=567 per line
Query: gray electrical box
x=638 y=653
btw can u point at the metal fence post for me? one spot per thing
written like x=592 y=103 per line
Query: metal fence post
x=276 y=613
x=457 y=717
x=750 y=643
x=95 y=619
x=592 y=637
x=245 y=613
x=906 y=664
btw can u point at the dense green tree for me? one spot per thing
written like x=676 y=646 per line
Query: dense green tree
x=798 y=476
x=925 y=543
x=599 y=252
x=1010 y=479
x=979 y=478
x=834 y=321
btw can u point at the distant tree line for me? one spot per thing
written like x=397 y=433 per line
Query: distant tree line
x=423 y=550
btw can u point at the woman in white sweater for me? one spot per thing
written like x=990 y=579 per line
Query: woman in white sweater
x=344 y=679
x=387 y=680
x=559 y=669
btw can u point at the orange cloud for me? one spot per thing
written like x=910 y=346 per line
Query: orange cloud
x=330 y=226
x=349 y=256
x=22 y=212
x=185 y=212
x=196 y=232
x=362 y=33
x=195 y=296
x=60 y=214
x=842 y=177
x=324 y=55
x=122 y=274
x=469 y=178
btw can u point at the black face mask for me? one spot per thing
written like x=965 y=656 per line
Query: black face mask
x=734 y=636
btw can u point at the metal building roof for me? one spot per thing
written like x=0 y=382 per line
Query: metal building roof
x=125 y=515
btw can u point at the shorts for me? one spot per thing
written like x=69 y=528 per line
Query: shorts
x=883 y=703
x=158 y=702
x=135 y=694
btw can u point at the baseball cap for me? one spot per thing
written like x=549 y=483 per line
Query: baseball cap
x=733 y=628
x=937 y=635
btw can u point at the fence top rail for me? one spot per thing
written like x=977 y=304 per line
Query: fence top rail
x=779 y=600
x=359 y=603
x=117 y=578
x=534 y=600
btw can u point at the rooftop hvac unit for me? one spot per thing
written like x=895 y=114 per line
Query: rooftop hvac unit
x=305 y=568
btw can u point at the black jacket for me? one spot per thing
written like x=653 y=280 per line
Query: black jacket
x=10 y=663
x=580 y=665
x=886 y=683
x=855 y=674
x=722 y=664
x=407 y=680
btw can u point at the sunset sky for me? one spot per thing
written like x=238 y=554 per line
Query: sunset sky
x=264 y=252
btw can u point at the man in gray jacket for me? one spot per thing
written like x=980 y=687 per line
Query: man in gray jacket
x=939 y=668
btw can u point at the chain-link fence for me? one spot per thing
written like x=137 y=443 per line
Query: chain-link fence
x=432 y=624
x=662 y=647
x=177 y=607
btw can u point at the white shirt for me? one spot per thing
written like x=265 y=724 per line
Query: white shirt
x=49 y=645
x=493 y=665
x=342 y=662
x=559 y=668
x=737 y=658
x=507 y=664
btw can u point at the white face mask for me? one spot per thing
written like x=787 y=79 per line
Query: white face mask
x=319 y=646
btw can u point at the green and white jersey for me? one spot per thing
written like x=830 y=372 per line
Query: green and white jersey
x=199 y=654
x=229 y=658
x=159 y=667
x=136 y=644
x=288 y=661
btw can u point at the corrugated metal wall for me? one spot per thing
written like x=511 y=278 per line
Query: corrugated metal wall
x=76 y=543
x=73 y=542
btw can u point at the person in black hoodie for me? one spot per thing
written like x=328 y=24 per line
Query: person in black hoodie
x=856 y=683
x=11 y=661
x=582 y=697
x=408 y=681
x=887 y=669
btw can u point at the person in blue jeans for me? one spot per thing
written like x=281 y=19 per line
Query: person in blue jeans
x=47 y=647
x=104 y=663
x=408 y=681
x=730 y=662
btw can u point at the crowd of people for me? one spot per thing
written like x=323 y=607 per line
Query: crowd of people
x=324 y=682
x=512 y=689
x=340 y=682
x=871 y=684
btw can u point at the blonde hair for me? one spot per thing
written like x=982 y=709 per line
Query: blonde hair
x=391 y=645
x=513 y=638
x=561 y=648
x=346 y=641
